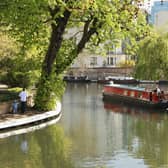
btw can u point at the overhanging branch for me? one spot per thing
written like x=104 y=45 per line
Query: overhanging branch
x=88 y=31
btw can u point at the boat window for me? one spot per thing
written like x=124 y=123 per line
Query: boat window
x=125 y=92
x=132 y=93
x=139 y=94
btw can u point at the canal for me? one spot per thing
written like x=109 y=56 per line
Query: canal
x=92 y=134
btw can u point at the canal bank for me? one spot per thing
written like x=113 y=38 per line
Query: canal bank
x=13 y=124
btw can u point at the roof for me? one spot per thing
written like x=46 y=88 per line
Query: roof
x=127 y=87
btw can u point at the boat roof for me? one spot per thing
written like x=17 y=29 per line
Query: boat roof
x=127 y=87
x=119 y=77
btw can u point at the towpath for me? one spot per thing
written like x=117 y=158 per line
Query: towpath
x=9 y=120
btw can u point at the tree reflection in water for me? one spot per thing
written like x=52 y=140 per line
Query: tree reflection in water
x=148 y=134
x=47 y=148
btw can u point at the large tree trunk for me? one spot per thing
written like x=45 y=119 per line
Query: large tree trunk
x=55 y=42
x=46 y=97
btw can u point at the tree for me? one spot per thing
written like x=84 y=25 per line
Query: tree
x=16 y=69
x=152 y=58
x=46 y=24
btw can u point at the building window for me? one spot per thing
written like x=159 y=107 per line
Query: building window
x=111 y=61
x=93 y=61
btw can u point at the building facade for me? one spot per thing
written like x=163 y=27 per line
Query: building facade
x=158 y=15
x=90 y=60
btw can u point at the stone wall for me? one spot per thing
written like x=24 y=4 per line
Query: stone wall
x=5 y=107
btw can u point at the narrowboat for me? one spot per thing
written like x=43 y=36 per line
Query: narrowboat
x=148 y=82
x=163 y=82
x=135 y=96
x=77 y=79
x=122 y=80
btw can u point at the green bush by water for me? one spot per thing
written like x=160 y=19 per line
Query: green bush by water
x=9 y=94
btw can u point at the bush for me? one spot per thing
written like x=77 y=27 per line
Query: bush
x=19 y=79
x=9 y=94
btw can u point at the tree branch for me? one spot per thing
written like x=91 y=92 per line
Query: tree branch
x=89 y=29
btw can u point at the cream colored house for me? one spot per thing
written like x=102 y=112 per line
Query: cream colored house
x=87 y=59
x=90 y=60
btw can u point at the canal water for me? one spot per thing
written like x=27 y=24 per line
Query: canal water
x=92 y=134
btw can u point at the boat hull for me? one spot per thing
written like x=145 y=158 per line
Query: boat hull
x=108 y=97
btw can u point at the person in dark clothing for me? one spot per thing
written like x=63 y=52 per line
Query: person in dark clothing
x=150 y=96
x=23 y=99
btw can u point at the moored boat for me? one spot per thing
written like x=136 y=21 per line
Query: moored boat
x=122 y=80
x=148 y=82
x=77 y=79
x=163 y=82
x=135 y=95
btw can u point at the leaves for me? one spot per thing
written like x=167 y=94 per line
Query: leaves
x=42 y=27
x=152 y=63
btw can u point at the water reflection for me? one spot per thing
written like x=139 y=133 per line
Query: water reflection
x=106 y=135
x=136 y=112
x=29 y=128
x=47 y=148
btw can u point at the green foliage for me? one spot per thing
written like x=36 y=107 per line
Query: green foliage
x=17 y=68
x=20 y=79
x=24 y=20
x=9 y=94
x=18 y=72
x=47 y=26
x=8 y=47
x=118 y=20
x=50 y=89
x=65 y=56
x=30 y=21
x=152 y=61
x=127 y=63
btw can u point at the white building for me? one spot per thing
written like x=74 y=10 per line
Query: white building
x=90 y=60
